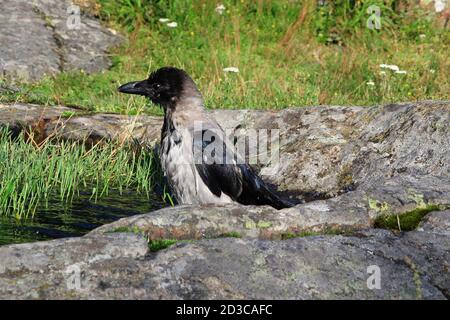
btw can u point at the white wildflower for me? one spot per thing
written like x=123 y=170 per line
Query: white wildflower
x=400 y=71
x=422 y=36
x=370 y=83
x=163 y=20
x=114 y=32
x=383 y=72
x=432 y=71
x=172 y=24
x=231 y=69
x=392 y=67
x=220 y=9
x=439 y=5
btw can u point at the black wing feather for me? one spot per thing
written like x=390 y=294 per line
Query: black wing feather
x=238 y=181
x=219 y=177
x=256 y=191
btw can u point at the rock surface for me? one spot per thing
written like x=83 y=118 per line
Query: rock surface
x=263 y=222
x=352 y=164
x=116 y=266
x=436 y=222
x=49 y=36
x=79 y=125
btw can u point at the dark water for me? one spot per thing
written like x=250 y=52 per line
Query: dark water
x=59 y=221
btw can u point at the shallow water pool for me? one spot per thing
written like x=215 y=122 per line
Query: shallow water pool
x=59 y=221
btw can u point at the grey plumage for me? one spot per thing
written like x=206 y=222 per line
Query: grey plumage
x=193 y=181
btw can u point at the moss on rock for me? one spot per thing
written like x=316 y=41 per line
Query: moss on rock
x=406 y=221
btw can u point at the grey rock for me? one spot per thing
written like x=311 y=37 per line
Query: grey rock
x=263 y=222
x=436 y=222
x=328 y=149
x=78 y=125
x=113 y=266
x=42 y=265
x=45 y=37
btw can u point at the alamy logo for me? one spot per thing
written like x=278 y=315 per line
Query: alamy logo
x=74 y=20
x=374 y=21
x=374 y=280
x=73 y=279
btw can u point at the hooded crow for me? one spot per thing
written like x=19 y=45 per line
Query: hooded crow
x=196 y=175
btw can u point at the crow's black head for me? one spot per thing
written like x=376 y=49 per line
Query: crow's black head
x=164 y=86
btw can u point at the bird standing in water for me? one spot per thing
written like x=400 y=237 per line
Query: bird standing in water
x=194 y=175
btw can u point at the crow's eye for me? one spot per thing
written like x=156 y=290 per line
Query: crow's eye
x=156 y=86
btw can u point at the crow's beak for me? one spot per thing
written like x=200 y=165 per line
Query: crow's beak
x=135 y=87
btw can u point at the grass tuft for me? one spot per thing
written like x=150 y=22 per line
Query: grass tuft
x=157 y=245
x=31 y=174
x=231 y=234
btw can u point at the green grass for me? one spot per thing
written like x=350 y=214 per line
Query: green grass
x=156 y=245
x=406 y=221
x=231 y=234
x=289 y=53
x=153 y=245
x=30 y=174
